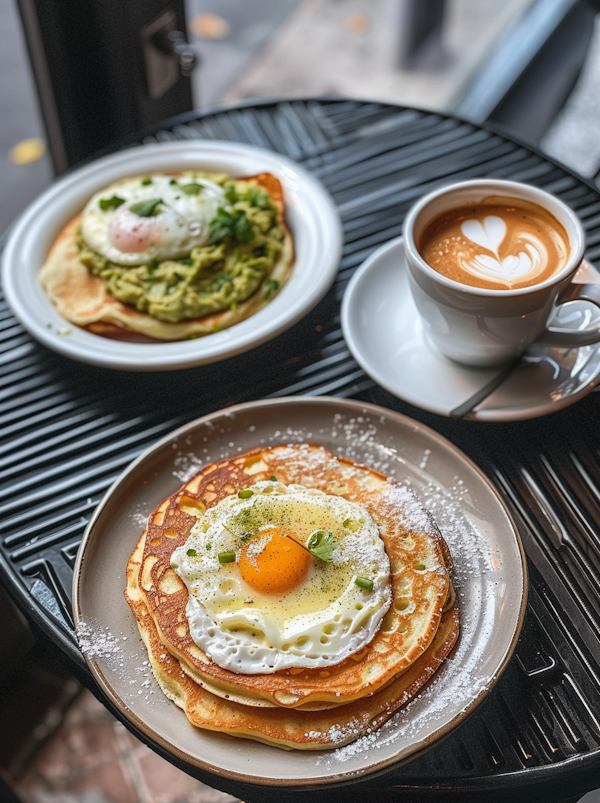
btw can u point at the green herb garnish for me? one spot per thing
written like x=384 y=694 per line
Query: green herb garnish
x=321 y=544
x=273 y=478
x=270 y=286
x=209 y=546
x=192 y=188
x=222 y=279
x=152 y=266
x=146 y=182
x=246 y=494
x=146 y=208
x=232 y=225
x=191 y=552
x=186 y=261
x=231 y=194
x=364 y=583
x=351 y=525
x=246 y=537
x=110 y=203
x=226 y=557
x=173 y=181
x=257 y=197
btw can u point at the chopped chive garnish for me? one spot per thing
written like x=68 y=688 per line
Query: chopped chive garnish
x=173 y=181
x=186 y=261
x=233 y=306
x=246 y=537
x=246 y=494
x=209 y=545
x=273 y=478
x=191 y=553
x=110 y=203
x=364 y=583
x=350 y=524
x=146 y=208
x=146 y=181
x=226 y=557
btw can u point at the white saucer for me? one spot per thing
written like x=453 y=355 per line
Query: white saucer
x=384 y=333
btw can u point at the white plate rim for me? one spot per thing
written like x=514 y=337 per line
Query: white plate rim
x=311 y=213
x=343 y=777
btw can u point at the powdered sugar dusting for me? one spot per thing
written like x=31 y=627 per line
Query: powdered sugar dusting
x=126 y=657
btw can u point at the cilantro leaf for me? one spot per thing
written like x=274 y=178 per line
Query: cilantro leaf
x=146 y=208
x=192 y=188
x=110 y=203
x=321 y=544
x=221 y=279
x=242 y=228
x=271 y=285
x=231 y=194
x=232 y=225
x=257 y=197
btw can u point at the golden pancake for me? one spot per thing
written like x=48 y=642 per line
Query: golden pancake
x=82 y=298
x=281 y=727
x=419 y=561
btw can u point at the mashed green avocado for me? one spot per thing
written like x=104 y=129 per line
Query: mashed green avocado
x=245 y=241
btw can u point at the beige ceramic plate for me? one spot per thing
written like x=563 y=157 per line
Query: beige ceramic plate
x=490 y=581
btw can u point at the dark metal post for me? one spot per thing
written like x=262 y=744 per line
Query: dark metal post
x=105 y=69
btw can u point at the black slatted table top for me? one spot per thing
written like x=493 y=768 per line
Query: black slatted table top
x=67 y=430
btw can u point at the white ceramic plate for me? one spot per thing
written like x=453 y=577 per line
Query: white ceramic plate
x=489 y=577
x=311 y=215
x=384 y=332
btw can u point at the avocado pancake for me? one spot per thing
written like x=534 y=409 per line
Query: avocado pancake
x=159 y=257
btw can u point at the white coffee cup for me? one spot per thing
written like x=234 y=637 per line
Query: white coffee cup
x=485 y=327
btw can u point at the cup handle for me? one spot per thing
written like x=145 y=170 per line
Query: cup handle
x=573 y=292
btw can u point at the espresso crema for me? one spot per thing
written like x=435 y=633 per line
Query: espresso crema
x=497 y=243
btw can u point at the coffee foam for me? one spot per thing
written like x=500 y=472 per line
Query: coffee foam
x=497 y=243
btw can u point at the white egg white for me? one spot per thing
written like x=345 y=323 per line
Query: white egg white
x=321 y=621
x=180 y=222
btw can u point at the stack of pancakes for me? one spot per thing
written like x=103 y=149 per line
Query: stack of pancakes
x=303 y=708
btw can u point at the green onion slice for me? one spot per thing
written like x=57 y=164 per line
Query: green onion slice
x=226 y=557
x=246 y=494
x=364 y=583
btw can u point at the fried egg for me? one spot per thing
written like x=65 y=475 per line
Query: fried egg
x=142 y=219
x=260 y=601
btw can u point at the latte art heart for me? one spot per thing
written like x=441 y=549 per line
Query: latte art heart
x=496 y=244
x=489 y=234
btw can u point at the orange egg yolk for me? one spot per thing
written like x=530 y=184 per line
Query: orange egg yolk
x=278 y=567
